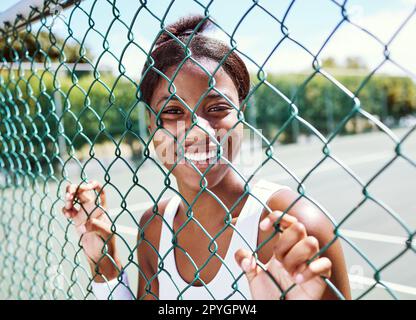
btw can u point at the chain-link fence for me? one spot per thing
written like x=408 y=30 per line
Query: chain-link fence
x=68 y=116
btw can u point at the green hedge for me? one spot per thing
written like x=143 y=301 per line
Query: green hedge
x=324 y=105
x=92 y=111
x=101 y=110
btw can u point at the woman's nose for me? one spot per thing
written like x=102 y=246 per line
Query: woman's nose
x=199 y=132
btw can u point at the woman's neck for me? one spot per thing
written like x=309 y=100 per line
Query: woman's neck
x=207 y=209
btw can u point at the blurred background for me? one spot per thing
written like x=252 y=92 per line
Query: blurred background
x=357 y=160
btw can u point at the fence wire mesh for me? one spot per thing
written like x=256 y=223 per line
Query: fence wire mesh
x=60 y=105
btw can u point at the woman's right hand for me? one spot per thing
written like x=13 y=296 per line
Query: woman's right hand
x=289 y=265
x=94 y=228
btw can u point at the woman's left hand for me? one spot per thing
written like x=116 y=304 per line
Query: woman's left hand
x=293 y=248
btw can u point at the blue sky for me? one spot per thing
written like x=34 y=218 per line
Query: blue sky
x=309 y=22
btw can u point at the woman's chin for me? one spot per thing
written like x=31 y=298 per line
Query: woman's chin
x=191 y=172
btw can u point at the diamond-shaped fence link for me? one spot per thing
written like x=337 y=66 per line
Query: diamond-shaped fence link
x=66 y=116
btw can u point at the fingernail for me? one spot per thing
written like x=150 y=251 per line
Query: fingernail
x=82 y=229
x=265 y=224
x=299 y=278
x=253 y=263
x=67 y=196
x=67 y=205
x=246 y=265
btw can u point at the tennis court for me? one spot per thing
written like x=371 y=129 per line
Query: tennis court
x=66 y=120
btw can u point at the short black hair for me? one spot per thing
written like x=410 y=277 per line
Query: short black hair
x=168 y=52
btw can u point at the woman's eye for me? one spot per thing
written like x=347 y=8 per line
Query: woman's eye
x=218 y=108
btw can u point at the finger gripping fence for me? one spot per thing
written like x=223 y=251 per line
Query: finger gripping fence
x=72 y=112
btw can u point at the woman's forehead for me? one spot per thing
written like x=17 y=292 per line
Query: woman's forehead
x=191 y=81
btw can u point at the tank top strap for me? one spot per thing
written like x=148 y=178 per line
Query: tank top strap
x=249 y=216
x=166 y=233
x=248 y=220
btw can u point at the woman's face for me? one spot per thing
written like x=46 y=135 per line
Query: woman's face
x=214 y=123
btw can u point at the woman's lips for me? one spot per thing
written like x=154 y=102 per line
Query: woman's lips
x=200 y=159
x=201 y=156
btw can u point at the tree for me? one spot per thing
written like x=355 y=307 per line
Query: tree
x=37 y=47
x=329 y=63
x=355 y=63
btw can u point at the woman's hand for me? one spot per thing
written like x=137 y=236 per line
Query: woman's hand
x=94 y=228
x=288 y=265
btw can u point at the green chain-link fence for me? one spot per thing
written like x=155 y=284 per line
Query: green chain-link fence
x=66 y=118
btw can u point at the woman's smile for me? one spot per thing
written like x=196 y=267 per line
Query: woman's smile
x=199 y=156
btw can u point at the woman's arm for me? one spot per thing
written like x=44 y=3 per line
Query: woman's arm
x=97 y=239
x=318 y=225
x=147 y=253
x=94 y=228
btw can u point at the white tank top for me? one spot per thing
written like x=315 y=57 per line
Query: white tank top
x=224 y=285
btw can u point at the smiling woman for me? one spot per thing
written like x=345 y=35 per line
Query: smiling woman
x=215 y=116
x=197 y=244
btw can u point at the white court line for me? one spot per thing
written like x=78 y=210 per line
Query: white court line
x=139 y=207
x=133 y=208
x=370 y=158
x=127 y=230
x=332 y=165
x=353 y=234
x=394 y=286
x=373 y=236
x=353 y=278
x=348 y=233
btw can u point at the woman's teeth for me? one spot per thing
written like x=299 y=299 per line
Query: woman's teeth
x=201 y=156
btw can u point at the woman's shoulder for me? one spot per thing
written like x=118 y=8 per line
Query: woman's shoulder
x=314 y=220
x=317 y=222
x=303 y=209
